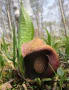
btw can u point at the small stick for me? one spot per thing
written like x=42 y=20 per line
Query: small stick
x=24 y=86
x=55 y=83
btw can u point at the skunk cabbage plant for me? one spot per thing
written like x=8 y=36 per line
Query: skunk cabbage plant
x=34 y=56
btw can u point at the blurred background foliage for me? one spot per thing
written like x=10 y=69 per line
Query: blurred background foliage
x=52 y=15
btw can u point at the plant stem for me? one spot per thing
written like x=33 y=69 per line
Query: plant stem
x=14 y=46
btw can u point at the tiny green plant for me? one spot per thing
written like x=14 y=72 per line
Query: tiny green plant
x=53 y=42
x=5 y=47
x=2 y=64
x=62 y=76
x=64 y=53
x=67 y=47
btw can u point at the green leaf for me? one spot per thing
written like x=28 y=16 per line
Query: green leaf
x=67 y=46
x=46 y=79
x=26 y=29
x=25 y=33
x=38 y=81
x=4 y=45
x=48 y=38
x=60 y=72
x=14 y=46
x=1 y=62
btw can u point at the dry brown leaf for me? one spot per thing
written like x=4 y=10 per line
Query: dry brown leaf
x=6 y=86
